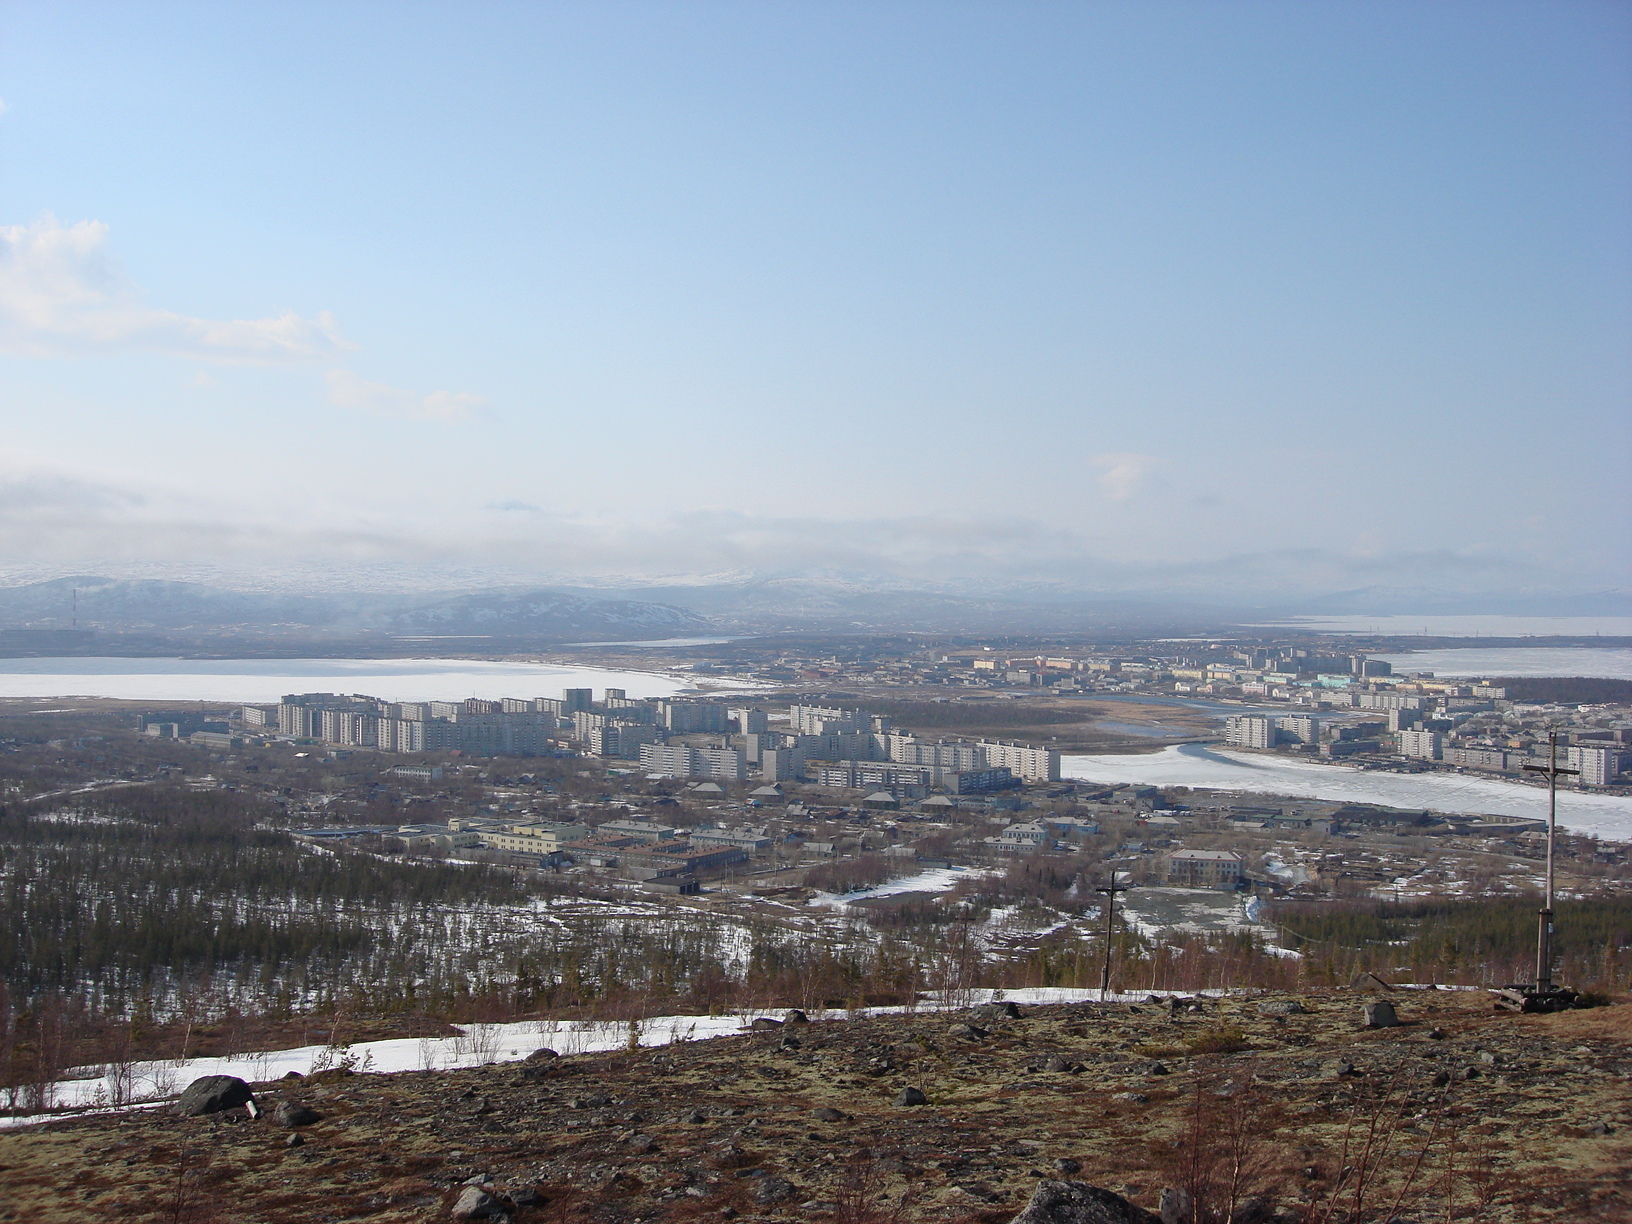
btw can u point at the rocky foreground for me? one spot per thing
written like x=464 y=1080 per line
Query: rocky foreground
x=1273 y=1108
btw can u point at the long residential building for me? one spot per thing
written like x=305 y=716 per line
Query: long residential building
x=680 y=761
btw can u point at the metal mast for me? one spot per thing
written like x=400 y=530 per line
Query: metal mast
x=1544 y=929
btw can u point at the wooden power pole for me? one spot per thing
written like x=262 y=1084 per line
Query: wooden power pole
x=1544 y=931
x=1110 y=890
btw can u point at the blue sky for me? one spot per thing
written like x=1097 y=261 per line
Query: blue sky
x=1167 y=296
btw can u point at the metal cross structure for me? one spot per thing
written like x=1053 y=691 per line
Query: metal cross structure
x=1110 y=890
x=1544 y=932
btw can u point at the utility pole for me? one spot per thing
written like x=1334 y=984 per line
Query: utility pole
x=1110 y=890
x=1544 y=931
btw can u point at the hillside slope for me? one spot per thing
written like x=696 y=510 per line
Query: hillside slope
x=801 y=1122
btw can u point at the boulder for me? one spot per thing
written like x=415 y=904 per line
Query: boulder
x=796 y=1017
x=1282 y=1007
x=1379 y=1014
x=212 y=1094
x=998 y=1011
x=539 y=1057
x=1174 y=1206
x=1075 y=1202
x=825 y=1113
x=911 y=1096
x=773 y=1190
x=291 y=1114
x=474 y=1203
x=968 y=1032
x=765 y=1024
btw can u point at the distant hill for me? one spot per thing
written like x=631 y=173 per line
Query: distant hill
x=118 y=605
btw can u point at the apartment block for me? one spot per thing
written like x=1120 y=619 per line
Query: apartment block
x=1597 y=766
x=1420 y=745
x=1249 y=731
x=679 y=761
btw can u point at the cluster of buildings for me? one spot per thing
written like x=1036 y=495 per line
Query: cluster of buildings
x=1483 y=733
x=669 y=738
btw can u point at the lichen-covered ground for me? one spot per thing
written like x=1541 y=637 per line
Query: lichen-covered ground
x=1517 y=1117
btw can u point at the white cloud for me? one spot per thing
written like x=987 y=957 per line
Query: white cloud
x=1121 y=472
x=347 y=390
x=61 y=294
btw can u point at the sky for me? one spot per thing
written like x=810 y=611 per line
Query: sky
x=1165 y=296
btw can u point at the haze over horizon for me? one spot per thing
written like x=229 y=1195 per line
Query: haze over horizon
x=1246 y=304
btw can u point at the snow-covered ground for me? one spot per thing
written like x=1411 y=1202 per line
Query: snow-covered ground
x=1193 y=765
x=939 y=879
x=1157 y=912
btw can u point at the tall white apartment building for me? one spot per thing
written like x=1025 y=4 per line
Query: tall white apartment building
x=1302 y=728
x=1598 y=766
x=1421 y=745
x=1024 y=761
x=678 y=761
x=1249 y=731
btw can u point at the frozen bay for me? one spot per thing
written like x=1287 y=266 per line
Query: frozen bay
x=266 y=680
x=1198 y=766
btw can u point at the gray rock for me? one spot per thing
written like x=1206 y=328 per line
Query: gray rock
x=1057 y=1063
x=773 y=1190
x=1133 y=1098
x=911 y=1096
x=1379 y=1014
x=968 y=1032
x=542 y=1055
x=1282 y=1007
x=474 y=1203
x=796 y=1017
x=998 y=1011
x=296 y=1140
x=765 y=1024
x=1253 y=1210
x=1159 y=1069
x=291 y=1114
x=645 y=1145
x=825 y=1113
x=1068 y=1167
x=212 y=1094
x=1075 y=1202
x=1174 y=1206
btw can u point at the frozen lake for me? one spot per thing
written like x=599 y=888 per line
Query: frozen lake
x=1610 y=662
x=266 y=680
x=1195 y=765
x=1464 y=626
